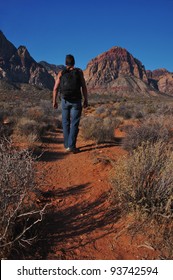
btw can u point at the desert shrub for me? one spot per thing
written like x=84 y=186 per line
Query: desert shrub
x=31 y=129
x=125 y=111
x=18 y=111
x=98 y=129
x=151 y=109
x=144 y=180
x=4 y=114
x=5 y=125
x=165 y=109
x=46 y=107
x=139 y=115
x=100 y=110
x=5 y=131
x=52 y=117
x=151 y=130
x=18 y=213
x=35 y=113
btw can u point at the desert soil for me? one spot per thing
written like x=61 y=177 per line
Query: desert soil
x=83 y=221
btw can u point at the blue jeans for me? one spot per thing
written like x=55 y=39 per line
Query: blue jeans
x=71 y=114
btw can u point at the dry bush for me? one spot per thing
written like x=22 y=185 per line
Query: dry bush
x=151 y=130
x=143 y=184
x=144 y=181
x=44 y=113
x=29 y=130
x=30 y=121
x=18 y=213
x=5 y=125
x=35 y=113
x=98 y=129
x=125 y=110
x=5 y=131
x=53 y=117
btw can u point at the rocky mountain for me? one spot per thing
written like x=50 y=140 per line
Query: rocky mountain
x=114 y=71
x=16 y=65
x=117 y=71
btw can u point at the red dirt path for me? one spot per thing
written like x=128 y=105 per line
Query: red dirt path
x=84 y=223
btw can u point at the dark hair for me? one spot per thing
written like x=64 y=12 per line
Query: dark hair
x=69 y=60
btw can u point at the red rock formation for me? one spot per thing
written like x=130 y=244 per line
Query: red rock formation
x=117 y=71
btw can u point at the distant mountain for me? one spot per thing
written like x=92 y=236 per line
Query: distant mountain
x=117 y=71
x=114 y=71
x=52 y=68
x=16 y=65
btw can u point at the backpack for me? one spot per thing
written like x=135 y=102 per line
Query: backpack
x=70 y=84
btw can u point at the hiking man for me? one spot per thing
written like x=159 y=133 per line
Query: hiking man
x=72 y=86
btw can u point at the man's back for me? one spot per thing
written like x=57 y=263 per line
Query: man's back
x=70 y=84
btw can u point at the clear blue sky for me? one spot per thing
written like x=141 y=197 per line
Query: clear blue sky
x=50 y=29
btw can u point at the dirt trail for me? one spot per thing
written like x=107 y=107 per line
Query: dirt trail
x=83 y=223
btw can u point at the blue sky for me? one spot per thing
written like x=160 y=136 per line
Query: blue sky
x=51 y=29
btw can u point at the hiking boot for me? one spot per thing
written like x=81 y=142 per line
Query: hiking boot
x=73 y=150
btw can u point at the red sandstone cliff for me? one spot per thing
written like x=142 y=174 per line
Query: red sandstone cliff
x=117 y=71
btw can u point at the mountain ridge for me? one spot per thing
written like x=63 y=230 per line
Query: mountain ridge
x=113 y=71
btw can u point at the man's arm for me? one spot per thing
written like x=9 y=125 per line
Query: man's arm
x=55 y=90
x=84 y=91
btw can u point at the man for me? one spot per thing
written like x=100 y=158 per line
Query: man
x=72 y=86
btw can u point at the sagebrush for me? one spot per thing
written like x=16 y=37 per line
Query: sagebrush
x=144 y=180
x=98 y=129
x=18 y=212
x=150 y=130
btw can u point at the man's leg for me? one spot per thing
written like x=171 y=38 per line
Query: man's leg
x=66 y=121
x=76 y=111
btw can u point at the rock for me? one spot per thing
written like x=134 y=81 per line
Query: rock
x=17 y=65
x=162 y=80
x=117 y=71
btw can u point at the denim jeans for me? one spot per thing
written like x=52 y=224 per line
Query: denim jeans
x=71 y=114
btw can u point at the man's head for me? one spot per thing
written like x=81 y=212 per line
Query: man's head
x=69 y=60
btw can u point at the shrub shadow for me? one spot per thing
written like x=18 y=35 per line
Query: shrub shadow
x=61 y=193
x=89 y=147
x=48 y=156
x=66 y=226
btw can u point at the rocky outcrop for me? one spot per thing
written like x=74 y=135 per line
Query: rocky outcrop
x=162 y=80
x=7 y=49
x=117 y=71
x=16 y=65
x=165 y=84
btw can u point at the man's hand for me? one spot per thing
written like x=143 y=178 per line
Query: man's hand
x=85 y=103
x=55 y=104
